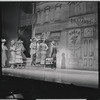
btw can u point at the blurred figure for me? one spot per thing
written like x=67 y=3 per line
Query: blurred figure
x=4 y=55
x=24 y=58
x=53 y=53
x=63 y=61
x=19 y=54
x=43 y=48
x=51 y=47
x=33 y=51
x=12 y=54
x=38 y=52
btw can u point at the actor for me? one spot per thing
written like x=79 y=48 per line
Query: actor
x=12 y=54
x=4 y=55
x=44 y=49
x=53 y=53
x=19 y=58
x=33 y=51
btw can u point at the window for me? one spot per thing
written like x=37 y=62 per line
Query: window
x=90 y=47
x=91 y=7
x=52 y=14
x=42 y=17
x=47 y=15
x=85 y=47
x=38 y=16
x=80 y=8
x=57 y=12
x=72 y=9
x=47 y=11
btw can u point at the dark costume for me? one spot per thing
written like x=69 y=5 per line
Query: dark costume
x=54 y=52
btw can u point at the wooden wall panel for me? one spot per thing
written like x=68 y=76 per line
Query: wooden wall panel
x=81 y=48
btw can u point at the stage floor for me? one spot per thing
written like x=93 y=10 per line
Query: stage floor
x=65 y=76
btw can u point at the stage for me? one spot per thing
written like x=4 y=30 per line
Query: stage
x=64 y=76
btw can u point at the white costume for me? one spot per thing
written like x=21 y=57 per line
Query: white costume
x=19 y=50
x=12 y=54
x=44 y=48
x=19 y=59
x=4 y=56
x=32 y=48
x=38 y=53
x=33 y=51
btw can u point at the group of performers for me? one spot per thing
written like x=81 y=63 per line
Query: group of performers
x=16 y=54
x=38 y=52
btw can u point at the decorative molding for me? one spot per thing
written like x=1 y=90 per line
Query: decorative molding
x=88 y=32
x=58 y=5
x=74 y=43
x=87 y=20
x=47 y=7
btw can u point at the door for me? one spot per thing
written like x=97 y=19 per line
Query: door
x=88 y=52
x=88 y=47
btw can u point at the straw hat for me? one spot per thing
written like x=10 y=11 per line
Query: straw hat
x=53 y=42
x=33 y=39
x=3 y=40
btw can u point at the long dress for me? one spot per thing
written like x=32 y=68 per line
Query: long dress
x=12 y=54
x=4 y=56
x=19 y=58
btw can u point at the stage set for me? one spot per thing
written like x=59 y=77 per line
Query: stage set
x=63 y=50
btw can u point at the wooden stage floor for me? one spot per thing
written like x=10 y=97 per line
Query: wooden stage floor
x=65 y=76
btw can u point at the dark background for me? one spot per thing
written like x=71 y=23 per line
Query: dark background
x=10 y=19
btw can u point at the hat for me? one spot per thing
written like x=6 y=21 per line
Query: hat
x=37 y=39
x=19 y=41
x=12 y=41
x=33 y=39
x=53 y=42
x=3 y=40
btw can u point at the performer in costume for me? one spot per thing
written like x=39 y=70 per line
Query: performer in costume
x=44 y=48
x=33 y=51
x=4 y=55
x=53 y=53
x=38 y=54
x=23 y=55
x=19 y=50
x=22 y=50
x=12 y=54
